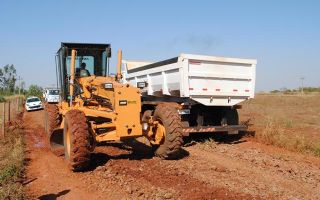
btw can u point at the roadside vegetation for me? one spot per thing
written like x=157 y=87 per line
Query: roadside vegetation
x=2 y=99
x=12 y=145
x=304 y=90
x=34 y=90
x=11 y=84
x=11 y=165
x=288 y=121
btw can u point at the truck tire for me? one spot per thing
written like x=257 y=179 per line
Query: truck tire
x=76 y=140
x=52 y=117
x=168 y=116
x=230 y=117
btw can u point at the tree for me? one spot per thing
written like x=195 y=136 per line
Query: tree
x=35 y=90
x=8 y=78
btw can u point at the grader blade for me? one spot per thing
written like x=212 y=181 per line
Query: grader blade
x=56 y=142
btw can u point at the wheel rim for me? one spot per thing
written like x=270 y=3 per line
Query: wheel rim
x=159 y=133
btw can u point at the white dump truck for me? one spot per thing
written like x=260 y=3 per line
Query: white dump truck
x=51 y=95
x=208 y=89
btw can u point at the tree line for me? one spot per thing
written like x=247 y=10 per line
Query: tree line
x=298 y=90
x=11 y=84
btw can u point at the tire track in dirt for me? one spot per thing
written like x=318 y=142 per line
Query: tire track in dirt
x=236 y=170
x=260 y=170
x=48 y=176
x=153 y=178
x=130 y=176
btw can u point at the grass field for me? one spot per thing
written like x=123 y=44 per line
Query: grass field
x=289 y=121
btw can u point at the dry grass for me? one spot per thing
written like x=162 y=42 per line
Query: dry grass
x=208 y=144
x=1 y=113
x=11 y=159
x=11 y=156
x=289 y=121
x=11 y=165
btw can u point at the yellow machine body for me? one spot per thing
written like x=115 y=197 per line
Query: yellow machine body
x=112 y=108
x=121 y=115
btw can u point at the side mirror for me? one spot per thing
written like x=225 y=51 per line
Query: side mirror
x=108 y=52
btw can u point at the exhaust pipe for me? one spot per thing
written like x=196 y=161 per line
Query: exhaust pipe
x=119 y=76
x=72 y=74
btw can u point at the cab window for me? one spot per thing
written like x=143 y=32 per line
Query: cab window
x=54 y=92
x=88 y=60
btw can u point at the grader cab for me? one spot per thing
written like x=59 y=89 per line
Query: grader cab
x=95 y=107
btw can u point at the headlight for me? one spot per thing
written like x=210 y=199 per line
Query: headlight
x=108 y=85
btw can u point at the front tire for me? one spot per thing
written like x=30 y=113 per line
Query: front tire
x=52 y=117
x=76 y=140
x=168 y=116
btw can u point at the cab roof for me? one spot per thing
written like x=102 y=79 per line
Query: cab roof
x=84 y=46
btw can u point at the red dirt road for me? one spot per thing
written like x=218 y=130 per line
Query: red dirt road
x=232 y=169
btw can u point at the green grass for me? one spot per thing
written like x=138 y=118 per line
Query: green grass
x=11 y=165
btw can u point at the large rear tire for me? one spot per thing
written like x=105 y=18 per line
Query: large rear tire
x=230 y=117
x=76 y=140
x=168 y=116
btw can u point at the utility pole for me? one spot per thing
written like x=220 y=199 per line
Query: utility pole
x=302 y=79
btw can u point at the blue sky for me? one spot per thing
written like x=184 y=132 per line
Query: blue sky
x=284 y=36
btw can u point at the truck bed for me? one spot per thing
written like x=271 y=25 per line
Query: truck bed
x=208 y=80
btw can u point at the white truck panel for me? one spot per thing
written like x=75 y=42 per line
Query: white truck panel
x=209 y=80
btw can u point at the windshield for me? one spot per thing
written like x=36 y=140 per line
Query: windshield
x=32 y=100
x=94 y=62
x=54 y=92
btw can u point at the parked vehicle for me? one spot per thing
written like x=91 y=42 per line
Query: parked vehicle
x=207 y=89
x=51 y=95
x=33 y=103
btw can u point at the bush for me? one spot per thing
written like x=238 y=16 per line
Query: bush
x=35 y=90
x=2 y=99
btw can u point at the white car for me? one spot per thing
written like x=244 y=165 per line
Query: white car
x=33 y=103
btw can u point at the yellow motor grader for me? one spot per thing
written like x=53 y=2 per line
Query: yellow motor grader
x=96 y=106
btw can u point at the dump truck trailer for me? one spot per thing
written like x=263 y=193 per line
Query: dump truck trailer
x=207 y=89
